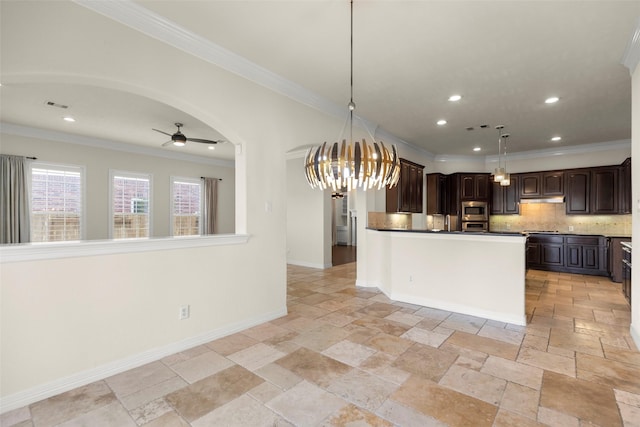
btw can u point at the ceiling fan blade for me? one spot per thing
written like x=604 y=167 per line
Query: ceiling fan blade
x=203 y=141
x=167 y=143
x=161 y=131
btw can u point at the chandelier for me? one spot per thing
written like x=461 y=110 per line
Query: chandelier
x=500 y=173
x=341 y=166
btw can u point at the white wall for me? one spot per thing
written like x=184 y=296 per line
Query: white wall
x=98 y=161
x=308 y=220
x=635 y=189
x=108 y=313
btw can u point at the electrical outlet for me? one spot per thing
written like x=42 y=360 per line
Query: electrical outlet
x=184 y=312
x=571 y=228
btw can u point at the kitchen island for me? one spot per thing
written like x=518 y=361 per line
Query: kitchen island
x=479 y=274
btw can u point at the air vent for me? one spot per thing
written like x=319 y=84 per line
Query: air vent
x=55 y=104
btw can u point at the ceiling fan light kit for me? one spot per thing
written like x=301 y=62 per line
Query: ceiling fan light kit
x=345 y=166
x=180 y=140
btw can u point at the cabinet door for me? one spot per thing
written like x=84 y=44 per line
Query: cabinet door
x=417 y=183
x=467 y=187
x=405 y=187
x=574 y=256
x=497 y=199
x=591 y=257
x=552 y=183
x=552 y=254
x=530 y=185
x=435 y=194
x=512 y=196
x=533 y=253
x=578 y=188
x=604 y=190
x=482 y=187
x=625 y=187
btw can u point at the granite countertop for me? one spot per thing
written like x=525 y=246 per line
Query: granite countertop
x=499 y=233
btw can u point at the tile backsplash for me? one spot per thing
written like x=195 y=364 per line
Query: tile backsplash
x=551 y=217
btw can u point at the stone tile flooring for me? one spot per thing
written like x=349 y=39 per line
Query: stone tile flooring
x=351 y=357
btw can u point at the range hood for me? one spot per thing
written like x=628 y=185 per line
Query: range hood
x=554 y=199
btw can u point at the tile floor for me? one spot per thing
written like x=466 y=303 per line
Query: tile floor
x=351 y=357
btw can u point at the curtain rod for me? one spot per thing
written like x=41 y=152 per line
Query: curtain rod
x=32 y=158
x=203 y=177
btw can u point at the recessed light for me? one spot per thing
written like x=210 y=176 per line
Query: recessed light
x=455 y=98
x=211 y=147
x=69 y=119
x=441 y=122
x=551 y=100
x=556 y=138
x=477 y=148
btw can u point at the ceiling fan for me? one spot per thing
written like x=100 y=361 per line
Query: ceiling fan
x=179 y=139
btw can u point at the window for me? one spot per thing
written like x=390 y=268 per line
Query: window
x=56 y=202
x=130 y=205
x=186 y=206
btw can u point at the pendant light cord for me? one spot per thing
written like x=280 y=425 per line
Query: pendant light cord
x=352 y=105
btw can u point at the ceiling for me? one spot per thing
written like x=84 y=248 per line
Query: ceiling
x=504 y=57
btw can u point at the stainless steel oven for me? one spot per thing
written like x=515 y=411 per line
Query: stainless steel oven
x=479 y=226
x=475 y=211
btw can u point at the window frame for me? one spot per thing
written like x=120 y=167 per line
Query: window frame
x=134 y=175
x=188 y=180
x=66 y=167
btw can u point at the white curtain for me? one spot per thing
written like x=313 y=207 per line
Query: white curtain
x=14 y=199
x=210 y=206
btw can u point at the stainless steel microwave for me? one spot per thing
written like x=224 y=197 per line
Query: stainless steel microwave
x=475 y=211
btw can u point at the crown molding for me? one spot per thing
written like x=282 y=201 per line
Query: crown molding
x=564 y=151
x=160 y=28
x=50 y=135
x=631 y=56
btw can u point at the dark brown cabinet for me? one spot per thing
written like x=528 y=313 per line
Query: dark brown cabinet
x=586 y=252
x=552 y=183
x=474 y=186
x=615 y=258
x=437 y=194
x=604 y=190
x=530 y=185
x=506 y=200
x=568 y=253
x=541 y=184
x=578 y=191
x=625 y=187
x=407 y=195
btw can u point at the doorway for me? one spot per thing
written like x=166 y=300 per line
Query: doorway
x=343 y=238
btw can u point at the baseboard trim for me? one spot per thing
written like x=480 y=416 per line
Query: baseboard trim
x=635 y=335
x=35 y=394
x=462 y=309
x=309 y=264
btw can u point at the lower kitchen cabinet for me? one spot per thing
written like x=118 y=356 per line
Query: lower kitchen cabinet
x=568 y=253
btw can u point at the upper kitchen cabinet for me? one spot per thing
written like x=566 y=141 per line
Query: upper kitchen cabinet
x=604 y=190
x=578 y=191
x=437 y=193
x=474 y=186
x=407 y=195
x=505 y=200
x=541 y=184
x=625 y=187
x=598 y=191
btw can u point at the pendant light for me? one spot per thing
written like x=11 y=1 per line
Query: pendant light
x=498 y=174
x=345 y=165
x=506 y=180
